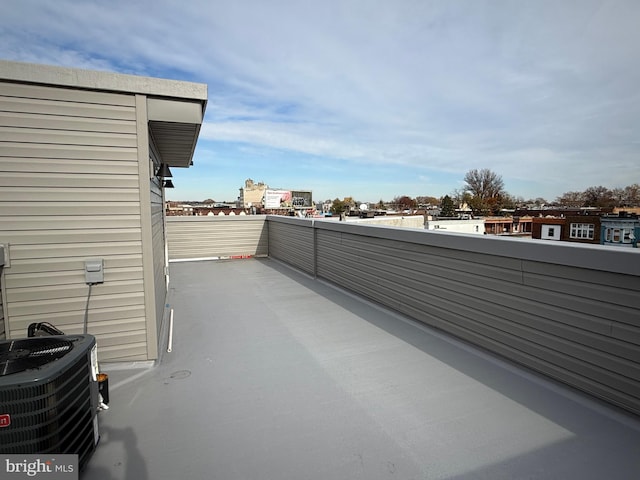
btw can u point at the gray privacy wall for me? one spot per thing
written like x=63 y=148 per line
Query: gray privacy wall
x=293 y=242
x=569 y=311
x=191 y=238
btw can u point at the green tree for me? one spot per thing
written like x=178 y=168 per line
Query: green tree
x=509 y=201
x=478 y=206
x=338 y=206
x=447 y=208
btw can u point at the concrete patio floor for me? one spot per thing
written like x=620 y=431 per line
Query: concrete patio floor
x=275 y=375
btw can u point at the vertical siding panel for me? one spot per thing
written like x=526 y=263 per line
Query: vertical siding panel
x=292 y=240
x=90 y=195
x=146 y=224
x=158 y=237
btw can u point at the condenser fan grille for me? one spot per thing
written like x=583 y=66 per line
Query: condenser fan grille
x=49 y=396
x=27 y=354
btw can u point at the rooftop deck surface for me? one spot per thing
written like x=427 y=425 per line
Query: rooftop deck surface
x=275 y=375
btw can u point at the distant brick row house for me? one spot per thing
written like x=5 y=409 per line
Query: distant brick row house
x=618 y=230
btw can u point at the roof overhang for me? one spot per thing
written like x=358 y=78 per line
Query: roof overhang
x=175 y=109
x=175 y=126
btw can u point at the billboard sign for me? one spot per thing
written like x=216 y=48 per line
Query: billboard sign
x=300 y=199
x=277 y=198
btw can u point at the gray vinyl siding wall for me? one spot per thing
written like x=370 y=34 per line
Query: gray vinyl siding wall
x=158 y=237
x=69 y=191
x=571 y=312
x=216 y=236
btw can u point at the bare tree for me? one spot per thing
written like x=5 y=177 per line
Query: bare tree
x=487 y=189
x=632 y=195
x=484 y=183
x=619 y=197
x=426 y=200
x=598 y=197
x=602 y=197
x=571 y=199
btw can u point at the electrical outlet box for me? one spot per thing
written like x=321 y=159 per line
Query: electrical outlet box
x=94 y=270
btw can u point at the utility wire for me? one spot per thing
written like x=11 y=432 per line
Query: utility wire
x=86 y=310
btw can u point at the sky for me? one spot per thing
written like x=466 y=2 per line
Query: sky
x=372 y=99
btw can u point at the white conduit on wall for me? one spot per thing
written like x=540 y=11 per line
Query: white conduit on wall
x=170 y=342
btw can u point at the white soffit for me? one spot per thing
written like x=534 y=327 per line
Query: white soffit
x=175 y=125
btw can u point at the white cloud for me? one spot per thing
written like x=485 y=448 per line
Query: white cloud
x=438 y=86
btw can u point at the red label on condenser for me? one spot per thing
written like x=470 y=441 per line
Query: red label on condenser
x=5 y=420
